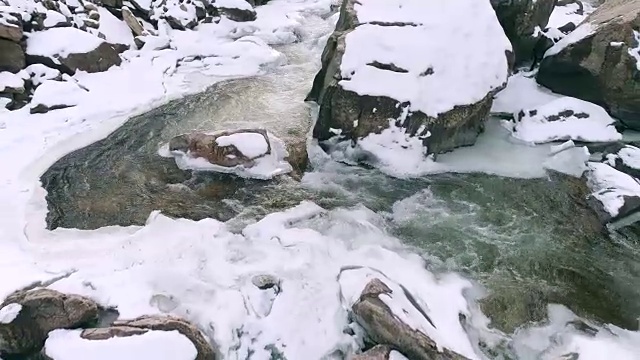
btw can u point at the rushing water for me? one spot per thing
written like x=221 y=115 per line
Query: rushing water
x=530 y=242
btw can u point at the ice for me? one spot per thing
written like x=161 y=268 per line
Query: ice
x=522 y=92
x=52 y=93
x=10 y=81
x=249 y=144
x=115 y=31
x=61 y=42
x=160 y=345
x=571 y=161
x=587 y=122
x=443 y=70
x=610 y=186
x=9 y=313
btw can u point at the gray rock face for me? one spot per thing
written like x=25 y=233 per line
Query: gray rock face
x=519 y=19
x=159 y=323
x=43 y=310
x=355 y=115
x=12 y=57
x=603 y=67
x=239 y=15
x=384 y=327
x=100 y=59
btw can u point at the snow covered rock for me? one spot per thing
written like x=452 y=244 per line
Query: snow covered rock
x=393 y=317
x=600 y=61
x=519 y=19
x=70 y=49
x=12 y=57
x=625 y=158
x=564 y=119
x=615 y=194
x=245 y=152
x=236 y=10
x=53 y=95
x=160 y=324
x=40 y=73
x=10 y=27
x=371 y=74
x=42 y=311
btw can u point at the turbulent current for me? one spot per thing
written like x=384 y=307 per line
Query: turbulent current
x=529 y=241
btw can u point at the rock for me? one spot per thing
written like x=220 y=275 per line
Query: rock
x=12 y=57
x=133 y=23
x=84 y=52
x=355 y=106
x=615 y=194
x=384 y=327
x=42 y=311
x=199 y=145
x=600 y=61
x=169 y=323
x=239 y=15
x=116 y=4
x=111 y=332
x=10 y=27
x=94 y=15
x=378 y=352
x=90 y=23
x=255 y=3
x=264 y=282
x=519 y=19
x=298 y=157
x=624 y=158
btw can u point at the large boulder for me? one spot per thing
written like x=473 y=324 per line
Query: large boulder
x=157 y=323
x=519 y=19
x=386 y=327
x=30 y=315
x=600 y=61
x=371 y=79
x=71 y=49
x=11 y=56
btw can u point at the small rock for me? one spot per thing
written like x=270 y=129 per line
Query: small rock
x=264 y=282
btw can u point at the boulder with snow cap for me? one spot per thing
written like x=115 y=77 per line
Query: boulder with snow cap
x=159 y=323
x=520 y=18
x=236 y=10
x=221 y=149
x=625 y=158
x=600 y=61
x=10 y=27
x=386 y=327
x=615 y=195
x=37 y=312
x=371 y=80
x=70 y=49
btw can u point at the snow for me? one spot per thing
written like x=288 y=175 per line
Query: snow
x=53 y=18
x=394 y=355
x=233 y=4
x=249 y=144
x=115 y=31
x=470 y=25
x=9 y=313
x=584 y=30
x=143 y=4
x=521 y=92
x=571 y=161
x=635 y=52
x=61 y=42
x=630 y=156
x=10 y=81
x=562 y=15
x=161 y=345
x=264 y=167
x=39 y=73
x=536 y=126
x=610 y=186
x=52 y=92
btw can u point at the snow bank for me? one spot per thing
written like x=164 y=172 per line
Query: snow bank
x=562 y=15
x=521 y=92
x=446 y=34
x=160 y=345
x=565 y=118
x=611 y=186
x=39 y=73
x=9 y=313
x=61 y=42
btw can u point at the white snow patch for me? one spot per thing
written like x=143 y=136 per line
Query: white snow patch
x=10 y=81
x=630 y=156
x=610 y=186
x=562 y=15
x=522 y=92
x=233 y=4
x=581 y=32
x=53 y=18
x=39 y=73
x=161 y=345
x=250 y=144
x=635 y=52
x=535 y=126
x=447 y=35
x=114 y=30
x=52 y=92
x=61 y=42
x=9 y=313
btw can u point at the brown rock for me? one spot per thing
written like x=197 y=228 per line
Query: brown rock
x=12 y=57
x=378 y=352
x=12 y=30
x=111 y=332
x=298 y=158
x=43 y=310
x=132 y=22
x=170 y=323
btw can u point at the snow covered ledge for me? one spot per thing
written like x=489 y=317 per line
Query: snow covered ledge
x=371 y=72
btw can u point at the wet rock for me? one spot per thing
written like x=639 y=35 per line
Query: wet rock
x=199 y=145
x=519 y=18
x=603 y=66
x=12 y=57
x=42 y=311
x=168 y=323
x=354 y=115
x=298 y=157
x=378 y=352
x=384 y=327
x=10 y=27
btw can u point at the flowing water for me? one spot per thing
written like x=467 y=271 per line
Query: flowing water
x=530 y=242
